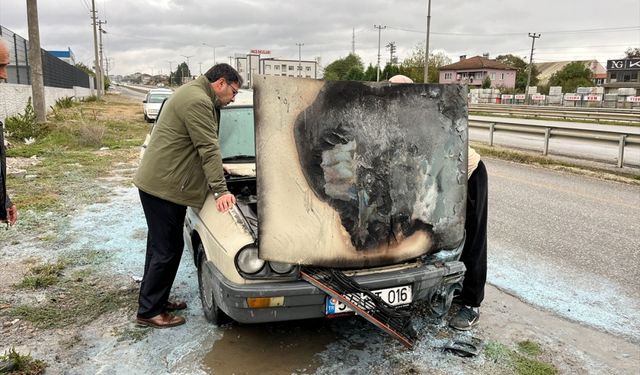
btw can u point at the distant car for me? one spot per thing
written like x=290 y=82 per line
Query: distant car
x=153 y=101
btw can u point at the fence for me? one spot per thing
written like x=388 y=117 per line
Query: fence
x=56 y=73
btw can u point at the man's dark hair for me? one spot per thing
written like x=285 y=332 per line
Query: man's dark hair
x=225 y=71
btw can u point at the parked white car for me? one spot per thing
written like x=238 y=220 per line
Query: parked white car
x=152 y=102
x=235 y=282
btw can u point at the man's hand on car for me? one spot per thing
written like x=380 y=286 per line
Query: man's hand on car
x=225 y=202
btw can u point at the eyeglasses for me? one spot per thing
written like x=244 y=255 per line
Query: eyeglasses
x=235 y=92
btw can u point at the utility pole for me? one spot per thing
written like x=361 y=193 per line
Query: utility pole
x=353 y=41
x=379 y=27
x=299 y=58
x=100 y=32
x=95 y=47
x=426 y=49
x=533 y=37
x=200 y=67
x=230 y=60
x=35 y=58
x=170 y=72
x=392 y=50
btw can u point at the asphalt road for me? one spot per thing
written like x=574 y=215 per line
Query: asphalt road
x=566 y=242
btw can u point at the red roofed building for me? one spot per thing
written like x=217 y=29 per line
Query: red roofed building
x=472 y=71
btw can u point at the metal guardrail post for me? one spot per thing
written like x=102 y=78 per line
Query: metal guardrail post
x=547 y=135
x=623 y=139
x=491 y=129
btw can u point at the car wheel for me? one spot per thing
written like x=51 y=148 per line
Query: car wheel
x=147 y=119
x=206 y=285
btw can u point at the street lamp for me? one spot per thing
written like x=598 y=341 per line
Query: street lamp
x=214 y=50
x=299 y=58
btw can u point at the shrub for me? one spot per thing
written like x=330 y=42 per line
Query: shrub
x=23 y=126
x=91 y=135
x=65 y=102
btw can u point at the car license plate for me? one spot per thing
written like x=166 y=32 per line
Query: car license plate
x=396 y=296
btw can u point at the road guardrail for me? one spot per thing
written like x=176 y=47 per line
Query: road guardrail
x=567 y=113
x=622 y=137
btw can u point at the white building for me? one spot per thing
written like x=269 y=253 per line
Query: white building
x=250 y=64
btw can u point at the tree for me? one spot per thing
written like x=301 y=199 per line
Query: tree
x=522 y=71
x=632 y=53
x=370 y=73
x=486 y=82
x=182 y=71
x=341 y=68
x=389 y=71
x=573 y=75
x=413 y=66
x=355 y=73
x=84 y=68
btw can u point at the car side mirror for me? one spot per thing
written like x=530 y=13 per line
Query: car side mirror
x=144 y=101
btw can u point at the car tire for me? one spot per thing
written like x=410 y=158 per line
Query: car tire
x=207 y=296
x=147 y=119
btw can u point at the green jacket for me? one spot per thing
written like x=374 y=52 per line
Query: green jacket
x=182 y=160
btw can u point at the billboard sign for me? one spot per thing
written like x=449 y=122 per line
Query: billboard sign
x=537 y=97
x=521 y=97
x=593 y=98
x=261 y=51
x=572 y=97
x=623 y=64
x=507 y=97
x=633 y=99
x=555 y=90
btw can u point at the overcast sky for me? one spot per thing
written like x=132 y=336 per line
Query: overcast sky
x=145 y=35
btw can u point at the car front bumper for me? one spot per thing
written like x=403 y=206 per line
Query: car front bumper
x=304 y=301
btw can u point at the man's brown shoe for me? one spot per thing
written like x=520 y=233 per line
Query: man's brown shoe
x=174 y=306
x=163 y=320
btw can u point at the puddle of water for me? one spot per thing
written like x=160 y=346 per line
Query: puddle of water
x=277 y=348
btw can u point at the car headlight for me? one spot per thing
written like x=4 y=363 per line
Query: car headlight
x=281 y=268
x=248 y=261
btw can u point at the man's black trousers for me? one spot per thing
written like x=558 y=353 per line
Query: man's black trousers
x=474 y=254
x=164 y=250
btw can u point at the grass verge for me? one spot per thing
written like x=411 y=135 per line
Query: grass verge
x=42 y=276
x=13 y=362
x=76 y=301
x=524 y=361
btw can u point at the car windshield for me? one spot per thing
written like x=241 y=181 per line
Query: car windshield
x=157 y=98
x=236 y=132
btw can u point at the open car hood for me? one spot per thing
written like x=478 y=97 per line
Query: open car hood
x=354 y=174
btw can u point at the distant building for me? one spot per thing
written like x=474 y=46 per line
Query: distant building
x=252 y=63
x=472 y=71
x=623 y=73
x=547 y=69
x=66 y=56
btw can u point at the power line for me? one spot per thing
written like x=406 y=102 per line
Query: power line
x=86 y=5
x=609 y=29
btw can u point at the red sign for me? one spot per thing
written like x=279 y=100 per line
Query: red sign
x=633 y=99
x=261 y=51
x=593 y=98
x=574 y=98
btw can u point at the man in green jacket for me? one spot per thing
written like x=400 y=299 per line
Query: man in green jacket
x=181 y=164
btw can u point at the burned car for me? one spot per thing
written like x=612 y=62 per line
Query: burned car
x=367 y=178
